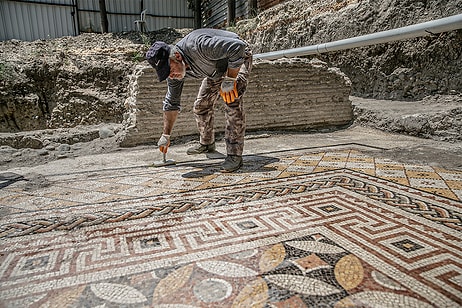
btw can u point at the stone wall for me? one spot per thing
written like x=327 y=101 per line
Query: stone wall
x=283 y=94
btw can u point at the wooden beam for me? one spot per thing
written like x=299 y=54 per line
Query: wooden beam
x=253 y=10
x=103 y=12
x=197 y=14
x=231 y=12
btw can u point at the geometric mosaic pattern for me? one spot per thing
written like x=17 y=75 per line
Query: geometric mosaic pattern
x=181 y=202
x=75 y=189
x=330 y=229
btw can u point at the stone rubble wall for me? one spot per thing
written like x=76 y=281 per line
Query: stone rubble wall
x=283 y=94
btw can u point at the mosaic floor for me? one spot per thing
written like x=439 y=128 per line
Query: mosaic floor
x=336 y=228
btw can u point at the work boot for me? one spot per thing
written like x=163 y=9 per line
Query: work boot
x=201 y=148
x=232 y=163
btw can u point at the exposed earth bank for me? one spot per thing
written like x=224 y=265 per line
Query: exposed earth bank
x=65 y=97
x=403 y=70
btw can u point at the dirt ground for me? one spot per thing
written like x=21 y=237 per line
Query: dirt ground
x=64 y=98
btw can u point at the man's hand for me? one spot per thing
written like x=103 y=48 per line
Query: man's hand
x=228 y=90
x=164 y=143
x=169 y=120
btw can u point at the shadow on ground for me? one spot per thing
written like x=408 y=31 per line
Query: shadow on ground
x=8 y=178
x=252 y=163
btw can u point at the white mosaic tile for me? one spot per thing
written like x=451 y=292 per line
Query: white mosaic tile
x=134 y=180
x=419 y=168
x=185 y=184
x=228 y=179
x=85 y=184
x=390 y=173
x=332 y=164
x=458 y=193
x=88 y=197
x=312 y=157
x=385 y=161
x=40 y=203
x=140 y=191
x=428 y=183
x=300 y=169
x=360 y=155
x=288 y=161
x=359 y=165
x=267 y=174
x=337 y=154
x=451 y=176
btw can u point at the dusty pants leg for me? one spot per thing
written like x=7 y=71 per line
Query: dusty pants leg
x=235 y=128
x=204 y=110
x=234 y=112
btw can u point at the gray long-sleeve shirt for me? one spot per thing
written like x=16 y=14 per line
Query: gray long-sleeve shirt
x=208 y=53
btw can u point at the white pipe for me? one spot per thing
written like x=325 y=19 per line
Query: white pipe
x=422 y=29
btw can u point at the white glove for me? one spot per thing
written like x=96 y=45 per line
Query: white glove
x=228 y=90
x=164 y=143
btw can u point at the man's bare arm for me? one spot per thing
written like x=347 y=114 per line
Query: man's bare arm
x=169 y=121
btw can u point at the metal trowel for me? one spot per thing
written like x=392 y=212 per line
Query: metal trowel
x=164 y=161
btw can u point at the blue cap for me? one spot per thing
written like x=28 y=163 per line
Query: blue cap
x=157 y=56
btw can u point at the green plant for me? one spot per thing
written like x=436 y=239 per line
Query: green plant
x=138 y=56
x=146 y=40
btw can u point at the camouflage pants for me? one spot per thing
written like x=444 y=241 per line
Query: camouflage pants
x=234 y=112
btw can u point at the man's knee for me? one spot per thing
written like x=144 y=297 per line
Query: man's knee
x=203 y=106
